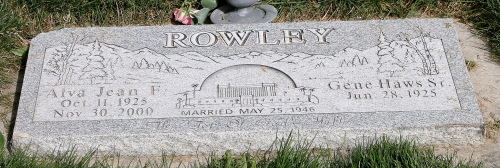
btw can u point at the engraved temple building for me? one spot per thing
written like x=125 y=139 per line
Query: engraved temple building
x=263 y=94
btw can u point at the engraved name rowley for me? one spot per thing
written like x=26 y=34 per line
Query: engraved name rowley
x=290 y=36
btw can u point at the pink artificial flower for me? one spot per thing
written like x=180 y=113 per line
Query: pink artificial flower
x=185 y=17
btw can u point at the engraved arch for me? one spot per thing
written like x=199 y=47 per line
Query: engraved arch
x=248 y=74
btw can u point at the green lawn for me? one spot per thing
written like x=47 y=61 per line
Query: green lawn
x=22 y=20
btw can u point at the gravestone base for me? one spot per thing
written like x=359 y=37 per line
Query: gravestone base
x=189 y=90
x=218 y=143
x=346 y=135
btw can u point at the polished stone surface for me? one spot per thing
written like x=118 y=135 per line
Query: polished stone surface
x=190 y=90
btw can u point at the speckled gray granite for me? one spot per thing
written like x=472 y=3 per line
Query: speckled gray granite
x=189 y=90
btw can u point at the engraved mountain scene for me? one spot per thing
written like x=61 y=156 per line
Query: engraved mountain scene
x=346 y=61
x=149 y=66
x=420 y=56
x=145 y=64
x=101 y=63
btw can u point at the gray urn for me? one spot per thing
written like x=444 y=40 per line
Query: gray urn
x=243 y=11
x=241 y=3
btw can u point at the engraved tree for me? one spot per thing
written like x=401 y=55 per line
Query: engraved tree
x=310 y=94
x=62 y=63
x=186 y=99
x=387 y=62
x=355 y=61
x=303 y=89
x=179 y=103
x=310 y=91
x=110 y=78
x=95 y=66
x=194 y=89
x=430 y=58
x=421 y=47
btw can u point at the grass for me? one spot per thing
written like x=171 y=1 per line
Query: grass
x=45 y=16
x=22 y=158
x=485 y=17
x=361 y=10
x=470 y=64
x=384 y=152
x=22 y=20
x=10 y=27
x=492 y=126
x=287 y=153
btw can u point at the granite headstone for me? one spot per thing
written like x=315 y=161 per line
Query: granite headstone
x=190 y=90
